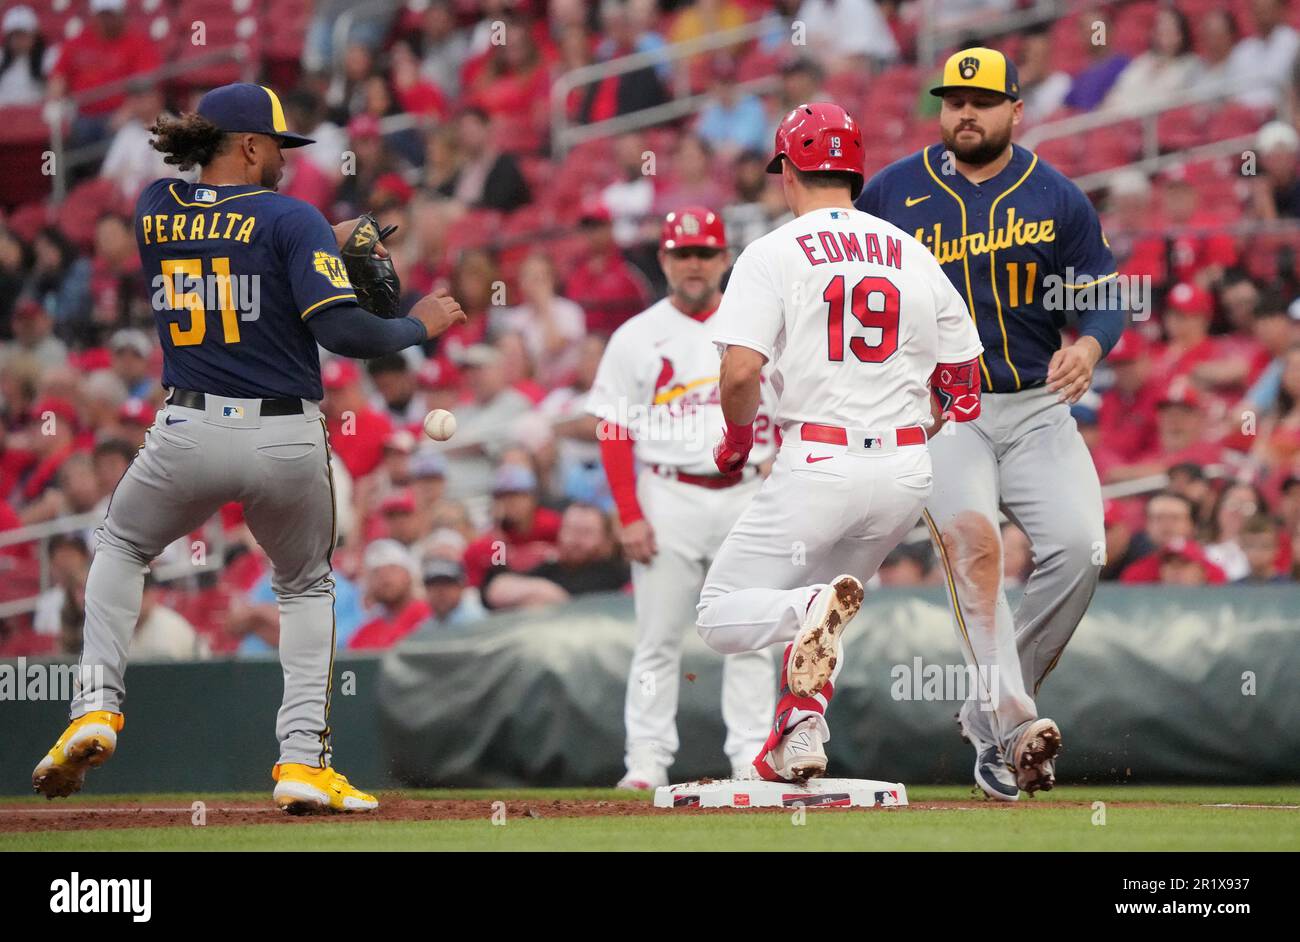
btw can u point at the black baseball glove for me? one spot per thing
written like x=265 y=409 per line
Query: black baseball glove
x=373 y=278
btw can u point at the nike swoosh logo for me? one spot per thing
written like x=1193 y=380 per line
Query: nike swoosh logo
x=913 y=200
x=173 y=421
x=811 y=460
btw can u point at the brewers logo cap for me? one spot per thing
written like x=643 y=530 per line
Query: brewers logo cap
x=244 y=108
x=981 y=68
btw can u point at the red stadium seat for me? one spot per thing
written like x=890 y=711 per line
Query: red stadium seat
x=1181 y=128
x=28 y=219
x=1233 y=121
x=86 y=202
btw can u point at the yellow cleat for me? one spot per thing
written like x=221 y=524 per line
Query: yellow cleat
x=303 y=789
x=87 y=742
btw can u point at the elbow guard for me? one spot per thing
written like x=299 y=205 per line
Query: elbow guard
x=957 y=385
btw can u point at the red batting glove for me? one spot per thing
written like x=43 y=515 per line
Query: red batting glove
x=732 y=452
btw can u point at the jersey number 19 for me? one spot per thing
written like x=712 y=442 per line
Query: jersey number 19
x=885 y=320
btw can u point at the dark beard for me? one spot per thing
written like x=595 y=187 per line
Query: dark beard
x=271 y=178
x=989 y=149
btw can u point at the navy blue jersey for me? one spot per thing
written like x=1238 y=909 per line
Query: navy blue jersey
x=234 y=273
x=997 y=241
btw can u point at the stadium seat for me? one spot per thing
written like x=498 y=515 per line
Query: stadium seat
x=1181 y=128
x=1232 y=121
x=86 y=202
x=28 y=219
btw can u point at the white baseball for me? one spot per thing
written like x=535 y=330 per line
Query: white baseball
x=440 y=425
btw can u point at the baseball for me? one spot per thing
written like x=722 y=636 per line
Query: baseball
x=440 y=425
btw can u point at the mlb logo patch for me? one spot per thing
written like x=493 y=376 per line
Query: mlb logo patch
x=232 y=412
x=205 y=196
x=836 y=149
x=873 y=443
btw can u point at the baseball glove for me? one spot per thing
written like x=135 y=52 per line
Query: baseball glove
x=373 y=278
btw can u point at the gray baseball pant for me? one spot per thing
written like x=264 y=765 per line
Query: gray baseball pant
x=1025 y=456
x=192 y=462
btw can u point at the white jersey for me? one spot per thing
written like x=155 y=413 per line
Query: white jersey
x=852 y=315
x=658 y=378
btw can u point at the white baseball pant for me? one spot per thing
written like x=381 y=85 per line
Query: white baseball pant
x=826 y=509
x=689 y=522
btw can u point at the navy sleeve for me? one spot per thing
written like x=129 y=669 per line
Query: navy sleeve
x=1084 y=261
x=352 y=331
x=311 y=256
x=869 y=199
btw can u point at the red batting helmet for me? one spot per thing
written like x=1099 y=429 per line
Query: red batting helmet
x=817 y=137
x=693 y=226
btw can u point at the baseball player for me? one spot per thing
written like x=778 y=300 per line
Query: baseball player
x=657 y=391
x=246 y=283
x=1014 y=236
x=856 y=322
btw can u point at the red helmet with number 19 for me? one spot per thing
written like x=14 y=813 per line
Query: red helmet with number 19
x=820 y=136
x=693 y=226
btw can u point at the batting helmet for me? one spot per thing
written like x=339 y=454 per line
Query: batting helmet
x=820 y=137
x=693 y=226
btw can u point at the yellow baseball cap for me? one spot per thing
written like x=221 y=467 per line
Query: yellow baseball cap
x=982 y=68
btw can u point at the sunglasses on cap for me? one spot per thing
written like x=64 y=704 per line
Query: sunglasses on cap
x=695 y=251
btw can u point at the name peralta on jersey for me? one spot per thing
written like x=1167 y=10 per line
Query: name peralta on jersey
x=658 y=378
x=234 y=273
x=852 y=315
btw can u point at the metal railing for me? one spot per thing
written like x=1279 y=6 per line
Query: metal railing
x=1148 y=115
x=933 y=39
x=566 y=135
x=57 y=111
x=42 y=533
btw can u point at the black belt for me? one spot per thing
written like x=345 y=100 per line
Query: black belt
x=189 y=399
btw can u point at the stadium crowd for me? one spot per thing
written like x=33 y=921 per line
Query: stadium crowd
x=437 y=115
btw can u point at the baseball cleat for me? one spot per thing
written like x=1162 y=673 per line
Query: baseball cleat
x=303 y=789
x=816 y=648
x=992 y=775
x=88 y=741
x=1037 y=744
x=639 y=781
x=799 y=755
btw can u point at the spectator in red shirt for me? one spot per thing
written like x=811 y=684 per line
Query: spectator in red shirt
x=1197 y=257
x=53 y=440
x=1188 y=310
x=1180 y=425
x=523 y=534
x=511 y=79
x=393 y=588
x=1168 y=519
x=106 y=51
x=1184 y=563
x=603 y=284
x=1127 y=415
x=356 y=431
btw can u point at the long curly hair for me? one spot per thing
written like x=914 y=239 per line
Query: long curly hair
x=187 y=140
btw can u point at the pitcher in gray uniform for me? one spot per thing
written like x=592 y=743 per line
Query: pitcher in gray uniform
x=1024 y=247
x=246 y=283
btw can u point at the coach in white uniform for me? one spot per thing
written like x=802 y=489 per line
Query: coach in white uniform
x=657 y=392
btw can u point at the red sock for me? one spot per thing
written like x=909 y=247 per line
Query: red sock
x=790 y=711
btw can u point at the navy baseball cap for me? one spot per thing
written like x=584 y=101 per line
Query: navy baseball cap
x=249 y=109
